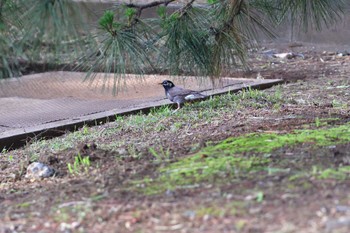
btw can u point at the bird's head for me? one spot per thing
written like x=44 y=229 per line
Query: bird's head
x=167 y=84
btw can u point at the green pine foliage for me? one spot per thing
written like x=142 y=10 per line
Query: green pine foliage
x=196 y=38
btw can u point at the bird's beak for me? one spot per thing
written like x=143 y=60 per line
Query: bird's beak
x=160 y=83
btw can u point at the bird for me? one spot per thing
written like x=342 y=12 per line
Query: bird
x=180 y=95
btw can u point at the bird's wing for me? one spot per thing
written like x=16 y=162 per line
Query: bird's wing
x=195 y=96
x=180 y=95
x=178 y=91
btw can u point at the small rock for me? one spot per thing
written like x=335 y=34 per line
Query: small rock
x=169 y=193
x=288 y=55
x=284 y=55
x=256 y=210
x=300 y=101
x=122 y=151
x=342 y=208
x=66 y=227
x=189 y=214
x=38 y=170
x=269 y=53
x=333 y=224
x=343 y=53
x=206 y=217
x=259 y=76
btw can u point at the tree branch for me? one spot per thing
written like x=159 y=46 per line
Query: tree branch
x=149 y=5
x=186 y=7
x=236 y=9
x=141 y=7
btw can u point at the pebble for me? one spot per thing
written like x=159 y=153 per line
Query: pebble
x=189 y=214
x=334 y=224
x=122 y=151
x=169 y=193
x=39 y=170
x=342 y=208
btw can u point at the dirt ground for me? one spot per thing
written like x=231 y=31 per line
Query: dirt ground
x=108 y=197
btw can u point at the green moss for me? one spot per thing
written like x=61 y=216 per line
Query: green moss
x=211 y=211
x=24 y=205
x=340 y=173
x=242 y=157
x=191 y=171
x=267 y=142
x=199 y=168
x=218 y=210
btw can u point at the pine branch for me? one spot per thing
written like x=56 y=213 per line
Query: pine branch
x=235 y=9
x=149 y=5
x=186 y=7
x=141 y=7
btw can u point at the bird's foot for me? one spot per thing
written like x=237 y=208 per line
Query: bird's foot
x=176 y=110
x=178 y=107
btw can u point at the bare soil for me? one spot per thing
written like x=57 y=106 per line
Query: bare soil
x=102 y=199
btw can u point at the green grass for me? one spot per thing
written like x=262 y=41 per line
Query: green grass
x=158 y=120
x=160 y=155
x=68 y=141
x=24 y=204
x=75 y=211
x=198 y=168
x=339 y=173
x=227 y=161
x=244 y=98
x=80 y=165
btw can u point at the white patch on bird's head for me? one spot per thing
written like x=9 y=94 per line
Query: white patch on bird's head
x=168 y=84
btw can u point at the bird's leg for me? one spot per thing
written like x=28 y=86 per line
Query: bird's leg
x=178 y=107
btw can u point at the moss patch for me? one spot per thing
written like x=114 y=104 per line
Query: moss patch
x=340 y=173
x=241 y=157
x=265 y=143
x=201 y=167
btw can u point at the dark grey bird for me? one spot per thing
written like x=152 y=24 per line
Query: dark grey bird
x=180 y=95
